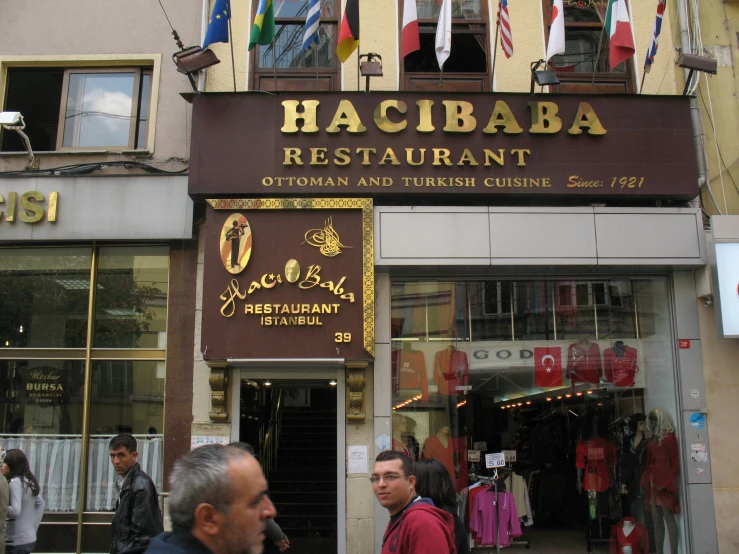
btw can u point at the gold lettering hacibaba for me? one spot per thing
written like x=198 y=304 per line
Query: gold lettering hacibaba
x=269 y=280
x=326 y=240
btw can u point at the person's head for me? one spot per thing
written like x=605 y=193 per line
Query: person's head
x=659 y=424
x=433 y=481
x=393 y=481
x=15 y=464
x=398 y=423
x=637 y=422
x=410 y=425
x=220 y=495
x=123 y=452
x=152 y=430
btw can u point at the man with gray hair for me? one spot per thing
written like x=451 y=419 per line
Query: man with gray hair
x=218 y=504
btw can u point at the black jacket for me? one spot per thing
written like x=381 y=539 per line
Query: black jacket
x=137 y=517
x=179 y=541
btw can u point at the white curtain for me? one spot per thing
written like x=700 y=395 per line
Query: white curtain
x=55 y=460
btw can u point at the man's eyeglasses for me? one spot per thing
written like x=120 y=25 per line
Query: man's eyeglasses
x=389 y=478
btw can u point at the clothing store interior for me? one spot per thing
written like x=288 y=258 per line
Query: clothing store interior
x=552 y=404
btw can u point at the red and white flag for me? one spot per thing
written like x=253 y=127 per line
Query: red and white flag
x=504 y=23
x=548 y=366
x=409 y=39
x=556 y=31
x=444 y=33
x=619 y=30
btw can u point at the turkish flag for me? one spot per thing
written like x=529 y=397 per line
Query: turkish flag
x=548 y=366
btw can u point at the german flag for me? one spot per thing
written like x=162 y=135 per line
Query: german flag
x=349 y=31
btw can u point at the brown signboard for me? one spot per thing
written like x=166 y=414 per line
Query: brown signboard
x=431 y=144
x=288 y=279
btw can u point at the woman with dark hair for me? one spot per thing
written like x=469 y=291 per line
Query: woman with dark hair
x=25 y=507
x=433 y=481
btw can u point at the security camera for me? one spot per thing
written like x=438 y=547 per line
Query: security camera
x=10 y=118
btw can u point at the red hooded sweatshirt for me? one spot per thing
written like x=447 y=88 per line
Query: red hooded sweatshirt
x=420 y=528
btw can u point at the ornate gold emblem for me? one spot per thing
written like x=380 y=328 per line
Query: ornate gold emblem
x=235 y=243
x=326 y=240
x=292 y=271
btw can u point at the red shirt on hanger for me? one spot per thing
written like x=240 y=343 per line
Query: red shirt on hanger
x=620 y=369
x=596 y=456
x=583 y=363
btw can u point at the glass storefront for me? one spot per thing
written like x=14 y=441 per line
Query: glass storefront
x=44 y=316
x=573 y=380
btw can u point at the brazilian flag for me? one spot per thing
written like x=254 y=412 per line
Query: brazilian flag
x=263 y=30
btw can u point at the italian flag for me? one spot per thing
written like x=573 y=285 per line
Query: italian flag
x=619 y=31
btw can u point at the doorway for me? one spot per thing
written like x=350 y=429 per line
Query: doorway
x=295 y=422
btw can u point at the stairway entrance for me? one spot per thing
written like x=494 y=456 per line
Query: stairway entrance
x=293 y=426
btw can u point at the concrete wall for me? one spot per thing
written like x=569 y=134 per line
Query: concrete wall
x=722 y=398
x=717 y=98
x=89 y=32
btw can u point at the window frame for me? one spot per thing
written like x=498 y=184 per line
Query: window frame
x=307 y=75
x=598 y=78
x=458 y=28
x=138 y=73
x=151 y=63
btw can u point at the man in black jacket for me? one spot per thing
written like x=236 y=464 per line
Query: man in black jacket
x=137 y=517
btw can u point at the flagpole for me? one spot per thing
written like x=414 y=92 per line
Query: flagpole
x=358 y=72
x=643 y=76
x=231 y=42
x=315 y=61
x=274 y=63
x=597 y=57
x=495 y=46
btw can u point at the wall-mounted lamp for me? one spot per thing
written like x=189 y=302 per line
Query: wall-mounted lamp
x=370 y=68
x=13 y=121
x=696 y=63
x=542 y=77
x=190 y=61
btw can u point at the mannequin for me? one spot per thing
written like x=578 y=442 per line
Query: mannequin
x=660 y=478
x=399 y=445
x=596 y=471
x=633 y=460
x=629 y=536
x=450 y=370
x=440 y=447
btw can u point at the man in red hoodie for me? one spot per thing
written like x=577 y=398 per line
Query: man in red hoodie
x=416 y=526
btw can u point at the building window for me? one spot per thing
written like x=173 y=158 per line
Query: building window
x=45 y=312
x=584 y=67
x=466 y=69
x=72 y=109
x=283 y=65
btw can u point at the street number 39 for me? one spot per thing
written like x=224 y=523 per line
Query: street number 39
x=342 y=337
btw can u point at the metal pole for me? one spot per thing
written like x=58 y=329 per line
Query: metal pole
x=233 y=63
x=86 y=395
x=495 y=44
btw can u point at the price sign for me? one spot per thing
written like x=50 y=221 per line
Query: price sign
x=473 y=455
x=494 y=460
x=510 y=455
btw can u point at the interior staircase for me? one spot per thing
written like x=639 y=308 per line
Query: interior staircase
x=303 y=481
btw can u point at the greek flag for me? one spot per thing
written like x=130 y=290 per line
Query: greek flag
x=312 y=21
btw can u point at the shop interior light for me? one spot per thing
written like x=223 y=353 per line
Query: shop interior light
x=528 y=402
x=568 y=396
x=520 y=403
x=268 y=383
x=559 y=398
x=332 y=382
x=549 y=398
x=578 y=394
x=590 y=392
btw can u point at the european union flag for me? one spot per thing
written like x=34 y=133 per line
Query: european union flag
x=218 y=24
